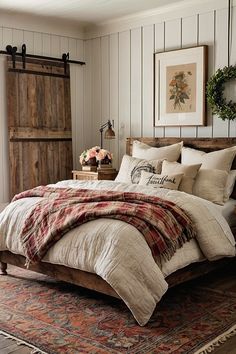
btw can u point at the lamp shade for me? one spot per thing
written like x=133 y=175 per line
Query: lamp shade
x=109 y=134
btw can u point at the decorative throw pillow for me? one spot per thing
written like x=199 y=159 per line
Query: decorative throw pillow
x=144 y=151
x=131 y=168
x=189 y=174
x=170 y=181
x=210 y=185
x=219 y=160
x=229 y=185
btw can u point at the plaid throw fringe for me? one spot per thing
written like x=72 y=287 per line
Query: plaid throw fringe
x=164 y=225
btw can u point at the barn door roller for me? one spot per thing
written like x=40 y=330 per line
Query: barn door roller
x=13 y=52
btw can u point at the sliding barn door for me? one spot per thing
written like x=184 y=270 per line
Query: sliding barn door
x=39 y=121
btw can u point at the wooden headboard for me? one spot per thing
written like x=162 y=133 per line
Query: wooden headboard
x=204 y=144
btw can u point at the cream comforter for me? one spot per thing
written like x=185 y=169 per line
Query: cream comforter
x=118 y=252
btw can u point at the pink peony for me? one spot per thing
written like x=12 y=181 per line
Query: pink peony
x=97 y=152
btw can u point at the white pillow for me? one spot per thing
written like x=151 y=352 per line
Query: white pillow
x=170 y=181
x=131 y=168
x=210 y=185
x=144 y=151
x=189 y=174
x=229 y=185
x=216 y=160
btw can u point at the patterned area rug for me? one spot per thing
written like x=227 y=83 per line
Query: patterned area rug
x=60 y=318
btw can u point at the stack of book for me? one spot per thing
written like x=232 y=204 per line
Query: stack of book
x=105 y=167
x=89 y=168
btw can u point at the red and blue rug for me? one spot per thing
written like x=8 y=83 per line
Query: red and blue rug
x=57 y=317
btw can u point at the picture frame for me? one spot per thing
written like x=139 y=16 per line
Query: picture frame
x=179 y=86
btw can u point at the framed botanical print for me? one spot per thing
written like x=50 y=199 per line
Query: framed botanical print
x=180 y=79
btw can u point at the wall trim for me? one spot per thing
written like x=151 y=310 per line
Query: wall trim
x=158 y=15
x=42 y=24
x=73 y=29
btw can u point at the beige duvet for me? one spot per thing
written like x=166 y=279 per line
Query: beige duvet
x=118 y=252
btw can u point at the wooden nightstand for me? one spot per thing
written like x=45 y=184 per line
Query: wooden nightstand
x=100 y=175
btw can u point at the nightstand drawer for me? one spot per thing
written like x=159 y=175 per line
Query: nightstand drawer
x=100 y=175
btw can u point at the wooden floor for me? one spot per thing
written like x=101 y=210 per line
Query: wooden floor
x=10 y=346
x=224 y=280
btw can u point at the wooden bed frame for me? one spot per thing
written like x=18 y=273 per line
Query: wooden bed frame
x=95 y=282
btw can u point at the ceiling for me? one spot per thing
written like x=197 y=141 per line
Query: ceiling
x=83 y=11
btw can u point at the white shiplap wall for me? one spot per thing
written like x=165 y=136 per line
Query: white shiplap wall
x=125 y=64
x=50 y=45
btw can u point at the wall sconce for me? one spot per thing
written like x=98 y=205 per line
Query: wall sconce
x=109 y=133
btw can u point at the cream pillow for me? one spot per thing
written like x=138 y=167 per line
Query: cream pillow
x=144 y=151
x=189 y=174
x=131 y=168
x=170 y=181
x=229 y=185
x=219 y=160
x=210 y=185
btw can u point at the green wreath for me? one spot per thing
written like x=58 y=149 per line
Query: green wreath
x=214 y=93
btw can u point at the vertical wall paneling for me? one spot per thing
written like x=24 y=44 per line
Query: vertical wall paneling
x=64 y=46
x=55 y=49
x=136 y=82
x=1 y=119
x=88 y=126
x=4 y=186
x=6 y=37
x=72 y=48
x=148 y=93
x=80 y=132
x=124 y=90
x=114 y=94
x=46 y=50
x=76 y=50
x=189 y=39
x=28 y=37
x=96 y=91
x=159 y=36
x=17 y=38
x=38 y=43
x=131 y=91
x=207 y=36
x=232 y=124
x=73 y=84
x=4 y=173
x=105 y=82
x=220 y=127
x=172 y=41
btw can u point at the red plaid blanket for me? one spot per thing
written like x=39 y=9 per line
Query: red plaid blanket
x=164 y=225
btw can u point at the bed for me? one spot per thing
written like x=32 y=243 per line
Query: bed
x=100 y=283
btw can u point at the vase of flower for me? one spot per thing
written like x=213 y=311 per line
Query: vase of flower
x=92 y=158
x=92 y=161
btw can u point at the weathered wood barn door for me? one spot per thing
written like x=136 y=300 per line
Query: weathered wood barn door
x=39 y=121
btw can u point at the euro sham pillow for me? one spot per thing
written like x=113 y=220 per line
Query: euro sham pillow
x=144 y=151
x=210 y=185
x=216 y=160
x=131 y=168
x=189 y=174
x=229 y=185
x=169 y=181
